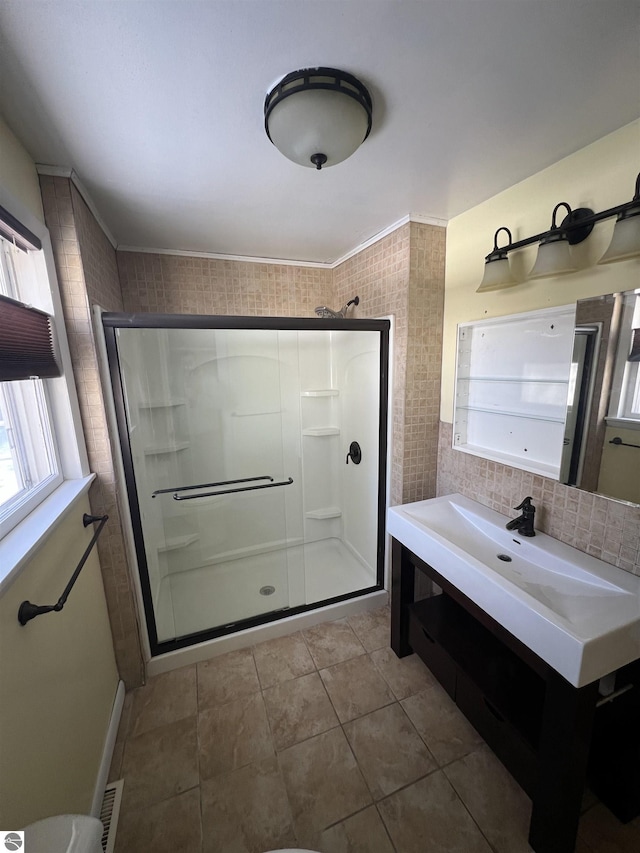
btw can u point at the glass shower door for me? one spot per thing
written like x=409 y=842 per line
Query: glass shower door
x=212 y=420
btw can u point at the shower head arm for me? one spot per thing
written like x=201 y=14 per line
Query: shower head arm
x=329 y=314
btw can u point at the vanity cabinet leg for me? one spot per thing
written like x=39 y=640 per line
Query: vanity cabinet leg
x=402 y=595
x=563 y=753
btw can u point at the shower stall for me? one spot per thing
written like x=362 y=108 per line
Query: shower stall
x=254 y=454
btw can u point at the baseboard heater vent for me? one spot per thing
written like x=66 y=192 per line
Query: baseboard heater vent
x=109 y=814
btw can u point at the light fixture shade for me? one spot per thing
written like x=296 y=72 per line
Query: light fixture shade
x=318 y=116
x=554 y=258
x=497 y=275
x=625 y=242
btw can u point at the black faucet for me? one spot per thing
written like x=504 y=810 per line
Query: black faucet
x=524 y=523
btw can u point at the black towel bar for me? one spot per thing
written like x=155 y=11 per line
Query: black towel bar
x=28 y=611
x=619 y=442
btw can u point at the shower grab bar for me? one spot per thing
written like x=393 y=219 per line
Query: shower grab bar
x=209 y=485
x=28 y=611
x=272 y=485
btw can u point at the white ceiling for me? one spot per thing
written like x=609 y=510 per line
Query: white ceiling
x=158 y=107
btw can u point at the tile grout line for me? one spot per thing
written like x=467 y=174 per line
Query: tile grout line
x=275 y=751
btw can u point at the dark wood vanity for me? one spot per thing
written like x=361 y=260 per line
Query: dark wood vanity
x=539 y=725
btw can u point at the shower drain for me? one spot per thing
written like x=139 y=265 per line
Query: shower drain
x=267 y=590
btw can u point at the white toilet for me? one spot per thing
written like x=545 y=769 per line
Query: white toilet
x=65 y=833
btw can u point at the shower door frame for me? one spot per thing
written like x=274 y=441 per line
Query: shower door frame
x=111 y=322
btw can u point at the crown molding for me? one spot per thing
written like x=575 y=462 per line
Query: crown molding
x=64 y=172
x=250 y=259
x=219 y=256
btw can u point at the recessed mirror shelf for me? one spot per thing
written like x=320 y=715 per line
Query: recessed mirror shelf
x=573 y=387
x=501 y=413
x=520 y=380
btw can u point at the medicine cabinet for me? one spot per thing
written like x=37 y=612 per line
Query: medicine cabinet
x=513 y=377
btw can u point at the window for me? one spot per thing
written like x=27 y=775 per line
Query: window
x=43 y=461
x=29 y=460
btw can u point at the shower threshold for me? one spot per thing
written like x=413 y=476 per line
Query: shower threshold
x=221 y=594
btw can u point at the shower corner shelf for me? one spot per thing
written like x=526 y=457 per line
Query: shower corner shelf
x=320 y=431
x=327 y=392
x=324 y=513
x=176 y=542
x=159 y=450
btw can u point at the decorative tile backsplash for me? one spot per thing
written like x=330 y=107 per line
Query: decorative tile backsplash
x=602 y=527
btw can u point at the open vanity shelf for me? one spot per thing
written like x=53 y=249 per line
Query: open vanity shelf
x=501 y=695
x=541 y=727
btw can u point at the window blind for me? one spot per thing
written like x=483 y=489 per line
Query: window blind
x=27 y=342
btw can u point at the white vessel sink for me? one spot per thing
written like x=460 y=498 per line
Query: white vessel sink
x=579 y=614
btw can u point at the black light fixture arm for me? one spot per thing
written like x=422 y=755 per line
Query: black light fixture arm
x=576 y=226
x=29 y=611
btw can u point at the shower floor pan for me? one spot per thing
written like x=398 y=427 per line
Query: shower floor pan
x=219 y=594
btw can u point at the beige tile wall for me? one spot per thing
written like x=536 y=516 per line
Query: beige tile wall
x=172 y=284
x=403 y=275
x=87 y=275
x=380 y=276
x=424 y=361
x=604 y=528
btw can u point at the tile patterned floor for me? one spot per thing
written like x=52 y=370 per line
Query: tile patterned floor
x=323 y=739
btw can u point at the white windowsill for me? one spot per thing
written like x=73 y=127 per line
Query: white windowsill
x=623 y=423
x=18 y=546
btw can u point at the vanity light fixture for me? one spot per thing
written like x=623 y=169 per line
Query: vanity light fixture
x=554 y=257
x=318 y=116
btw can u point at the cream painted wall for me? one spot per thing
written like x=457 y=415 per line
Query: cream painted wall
x=599 y=176
x=58 y=679
x=18 y=172
x=619 y=467
x=58 y=676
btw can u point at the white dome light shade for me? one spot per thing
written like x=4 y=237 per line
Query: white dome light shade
x=497 y=272
x=554 y=258
x=497 y=275
x=318 y=116
x=625 y=242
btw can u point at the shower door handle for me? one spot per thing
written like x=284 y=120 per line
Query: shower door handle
x=355 y=453
x=271 y=485
x=209 y=485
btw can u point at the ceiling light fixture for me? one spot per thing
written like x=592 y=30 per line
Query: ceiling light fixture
x=318 y=116
x=554 y=257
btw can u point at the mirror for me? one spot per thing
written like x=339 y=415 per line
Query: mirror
x=601 y=449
